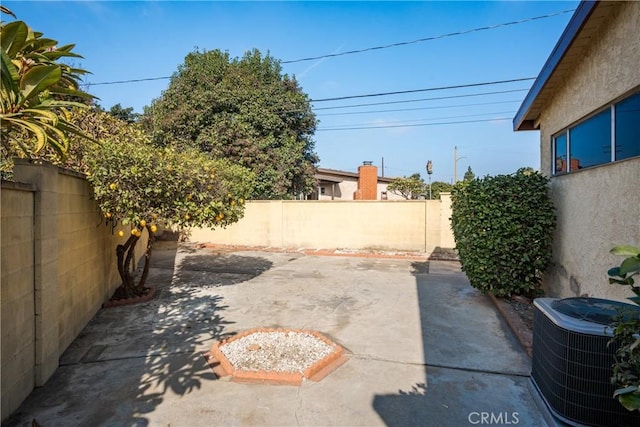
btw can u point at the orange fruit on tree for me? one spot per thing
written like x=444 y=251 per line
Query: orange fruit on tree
x=121 y=233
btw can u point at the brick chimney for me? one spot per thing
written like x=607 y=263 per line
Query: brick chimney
x=367 y=182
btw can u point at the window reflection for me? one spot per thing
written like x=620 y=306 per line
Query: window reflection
x=628 y=128
x=591 y=141
x=561 y=153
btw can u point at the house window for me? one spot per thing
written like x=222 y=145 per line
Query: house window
x=628 y=128
x=322 y=190
x=560 y=153
x=590 y=142
x=607 y=136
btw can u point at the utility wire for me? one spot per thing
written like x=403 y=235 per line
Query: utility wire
x=401 y=122
x=419 y=124
x=416 y=109
x=125 y=81
x=457 y=33
x=430 y=89
x=420 y=99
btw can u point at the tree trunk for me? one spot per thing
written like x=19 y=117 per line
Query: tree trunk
x=125 y=253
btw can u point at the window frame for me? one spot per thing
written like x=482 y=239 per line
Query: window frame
x=567 y=134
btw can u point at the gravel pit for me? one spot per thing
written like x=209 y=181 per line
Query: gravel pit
x=277 y=351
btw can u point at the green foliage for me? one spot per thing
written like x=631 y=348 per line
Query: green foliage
x=438 y=187
x=135 y=181
x=503 y=227
x=626 y=332
x=408 y=187
x=469 y=175
x=36 y=93
x=244 y=110
x=125 y=114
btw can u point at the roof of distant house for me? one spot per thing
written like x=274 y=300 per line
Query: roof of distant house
x=334 y=175
x=570 y=48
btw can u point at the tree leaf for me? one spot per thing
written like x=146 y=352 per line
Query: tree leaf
x=626 y=250
x=630 y=265
x=37 y=79
x=13 y=37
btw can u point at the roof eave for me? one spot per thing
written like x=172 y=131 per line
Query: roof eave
x=523 y=119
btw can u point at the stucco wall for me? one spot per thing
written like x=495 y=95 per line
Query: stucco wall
x=597 y=207
x=609 y=69
x=417 y=225
x=58 y=267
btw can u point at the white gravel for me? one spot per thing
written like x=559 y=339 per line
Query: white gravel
x=275 y=351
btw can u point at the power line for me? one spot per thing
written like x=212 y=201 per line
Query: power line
x=419 y=124
x=416 y=109
x=431 y=89
x=421 y=99
x=401 y=122
x=457 y=33
x=125 y=81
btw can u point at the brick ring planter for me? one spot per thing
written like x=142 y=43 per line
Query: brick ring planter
x=316 y=371
x=128 y=301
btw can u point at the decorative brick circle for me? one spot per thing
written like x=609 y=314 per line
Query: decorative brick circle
x=128 y=301
x=222 y=367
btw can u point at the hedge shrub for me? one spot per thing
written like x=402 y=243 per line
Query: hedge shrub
x=503 y=228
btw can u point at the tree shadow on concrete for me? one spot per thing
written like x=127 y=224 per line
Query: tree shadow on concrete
x=189 y=321
x=129 y=360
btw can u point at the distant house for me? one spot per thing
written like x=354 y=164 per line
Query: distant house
x=586 y=104
x=363 y=185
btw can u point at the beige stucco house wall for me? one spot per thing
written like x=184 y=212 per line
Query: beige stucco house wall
x=596 y=63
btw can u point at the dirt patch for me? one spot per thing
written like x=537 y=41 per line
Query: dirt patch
x=523 y=307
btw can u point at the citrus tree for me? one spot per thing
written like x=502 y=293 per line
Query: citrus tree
x=408 y=187
x=37 y=92
x=139 y=185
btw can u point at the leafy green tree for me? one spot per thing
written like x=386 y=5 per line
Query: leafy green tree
x=139 y=184
x=245 y=110
x=410 y=187
x=122 y=113
x=503 y=227
x=36 y=92
x=469 y=175
x=438 y=187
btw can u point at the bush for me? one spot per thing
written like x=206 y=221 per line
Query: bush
x=503 y=228
x=626 y=332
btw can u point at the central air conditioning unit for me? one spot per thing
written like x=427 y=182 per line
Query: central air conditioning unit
x=572 y=365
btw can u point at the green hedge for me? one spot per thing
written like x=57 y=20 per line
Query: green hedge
x=503 y=227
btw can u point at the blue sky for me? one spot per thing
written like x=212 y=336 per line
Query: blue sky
x=145 y=39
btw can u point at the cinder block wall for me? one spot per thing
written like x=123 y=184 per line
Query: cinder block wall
x=411 y=225
x=58 y=267
x=17 y=296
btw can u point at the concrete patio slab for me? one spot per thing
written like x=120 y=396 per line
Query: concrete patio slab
x=424 y=347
